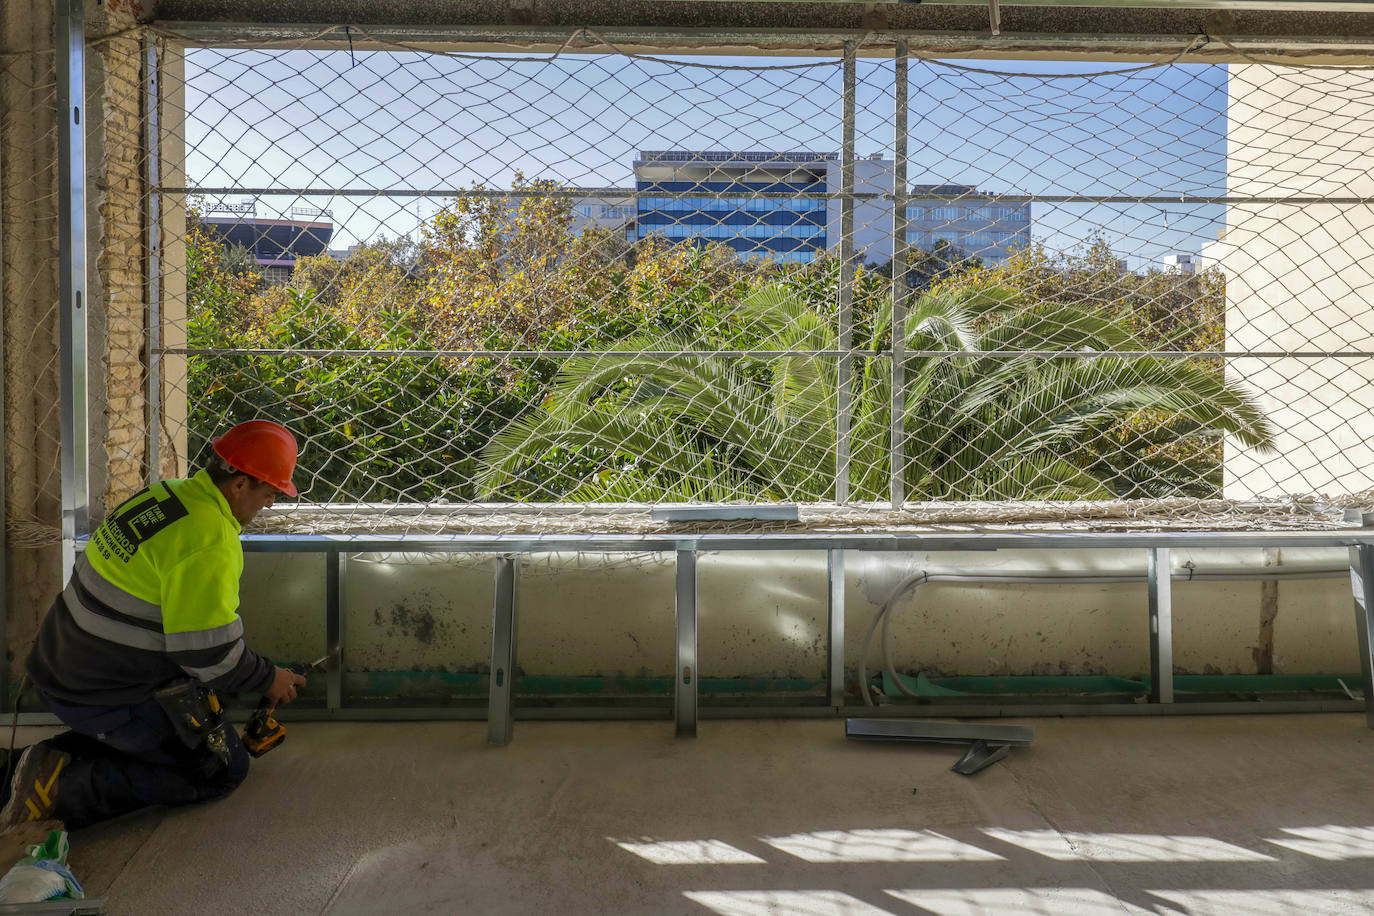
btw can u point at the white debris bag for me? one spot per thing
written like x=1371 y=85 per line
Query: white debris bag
x=42 y=874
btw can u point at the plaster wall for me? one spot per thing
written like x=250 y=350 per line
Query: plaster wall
x=763 y=614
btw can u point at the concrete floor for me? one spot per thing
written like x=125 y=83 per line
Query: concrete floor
x=1225 y=815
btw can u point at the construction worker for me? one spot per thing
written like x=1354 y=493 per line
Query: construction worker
x=132 y=654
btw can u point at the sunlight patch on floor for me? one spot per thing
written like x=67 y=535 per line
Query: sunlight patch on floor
x=1126 y=847
x=895 y=845
x=690 y=852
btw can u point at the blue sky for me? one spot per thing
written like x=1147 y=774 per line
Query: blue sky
x=403 y=120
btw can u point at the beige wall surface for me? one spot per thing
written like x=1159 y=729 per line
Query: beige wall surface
x=1300 y=277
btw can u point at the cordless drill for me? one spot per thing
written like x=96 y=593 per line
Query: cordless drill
x=263 y=732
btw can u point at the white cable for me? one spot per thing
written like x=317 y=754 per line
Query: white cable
x=884 y=613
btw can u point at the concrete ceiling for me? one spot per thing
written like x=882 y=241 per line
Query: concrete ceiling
x=1311 y=30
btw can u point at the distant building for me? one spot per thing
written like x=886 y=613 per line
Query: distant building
x=783 y=205
x=973 y=221
x=343 y=254
x=614 y=213
x=275 y=244
x=1180 y=264
x=752 y=202
x=1213 y=254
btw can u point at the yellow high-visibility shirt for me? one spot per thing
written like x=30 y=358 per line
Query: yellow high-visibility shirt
x=153 y=597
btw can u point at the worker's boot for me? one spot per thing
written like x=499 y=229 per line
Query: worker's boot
x=33 y=791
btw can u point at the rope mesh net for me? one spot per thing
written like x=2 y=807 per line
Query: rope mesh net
x=28 y=271
x=542 y=293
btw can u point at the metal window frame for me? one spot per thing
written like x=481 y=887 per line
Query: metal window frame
x=684 y=708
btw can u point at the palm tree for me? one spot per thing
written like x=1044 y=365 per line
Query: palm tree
x=1020 y=426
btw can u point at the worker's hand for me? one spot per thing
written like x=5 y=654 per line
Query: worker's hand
x=283 y=688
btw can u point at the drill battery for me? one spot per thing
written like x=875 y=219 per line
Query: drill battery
x=263 y=732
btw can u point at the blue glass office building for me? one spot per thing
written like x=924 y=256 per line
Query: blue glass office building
x=747 y=200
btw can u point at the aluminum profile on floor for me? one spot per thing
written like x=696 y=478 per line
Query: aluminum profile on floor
x=987 y=743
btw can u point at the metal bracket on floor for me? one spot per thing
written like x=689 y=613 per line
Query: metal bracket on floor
x=54 y=908
x=990 y=743
x=980 y=756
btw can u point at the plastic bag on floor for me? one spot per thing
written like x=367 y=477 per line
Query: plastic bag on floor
x=42 y=874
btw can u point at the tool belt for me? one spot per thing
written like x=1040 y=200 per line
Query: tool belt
x=197 y=718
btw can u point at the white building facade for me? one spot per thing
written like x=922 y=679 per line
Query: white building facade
x=1300 y=276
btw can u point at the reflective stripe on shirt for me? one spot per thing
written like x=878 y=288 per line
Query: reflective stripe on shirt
x=205 y=639
x=110 y=628
x=113 y=596
x=231 y=659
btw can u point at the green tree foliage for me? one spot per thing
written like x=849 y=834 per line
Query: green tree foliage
x=380 y=427
x=489 y=273
x=1163 y=311
x=977 y=427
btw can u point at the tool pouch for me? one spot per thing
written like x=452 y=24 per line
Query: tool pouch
x=197 y=718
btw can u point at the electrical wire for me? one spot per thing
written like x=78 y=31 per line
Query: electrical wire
x=14 y=729
x=884 y=614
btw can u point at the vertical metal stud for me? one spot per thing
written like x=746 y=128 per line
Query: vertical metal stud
x=900 y=193
x=1362 y=584
x=152 y=217
x=1161 y=626
x=685 y=612
x=844 y=380
x=835 y=578
x=335 y=579
x=71 y=157
x=501 y=693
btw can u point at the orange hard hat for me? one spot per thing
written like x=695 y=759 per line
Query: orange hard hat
x=261 y=449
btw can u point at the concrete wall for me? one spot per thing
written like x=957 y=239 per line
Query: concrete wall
x=29 y=289
x=1300 y=277
x=29 y=282
x=763 y=614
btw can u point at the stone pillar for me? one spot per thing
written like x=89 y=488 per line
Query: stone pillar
x=118 y=408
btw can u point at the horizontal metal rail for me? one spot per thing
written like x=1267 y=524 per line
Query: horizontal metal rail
x=770 y=354
x=794 y=42
x=914 y=198
x=665 y=543
x=856 y=510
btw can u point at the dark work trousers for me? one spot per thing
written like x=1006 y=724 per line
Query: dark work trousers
x=129 y=757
